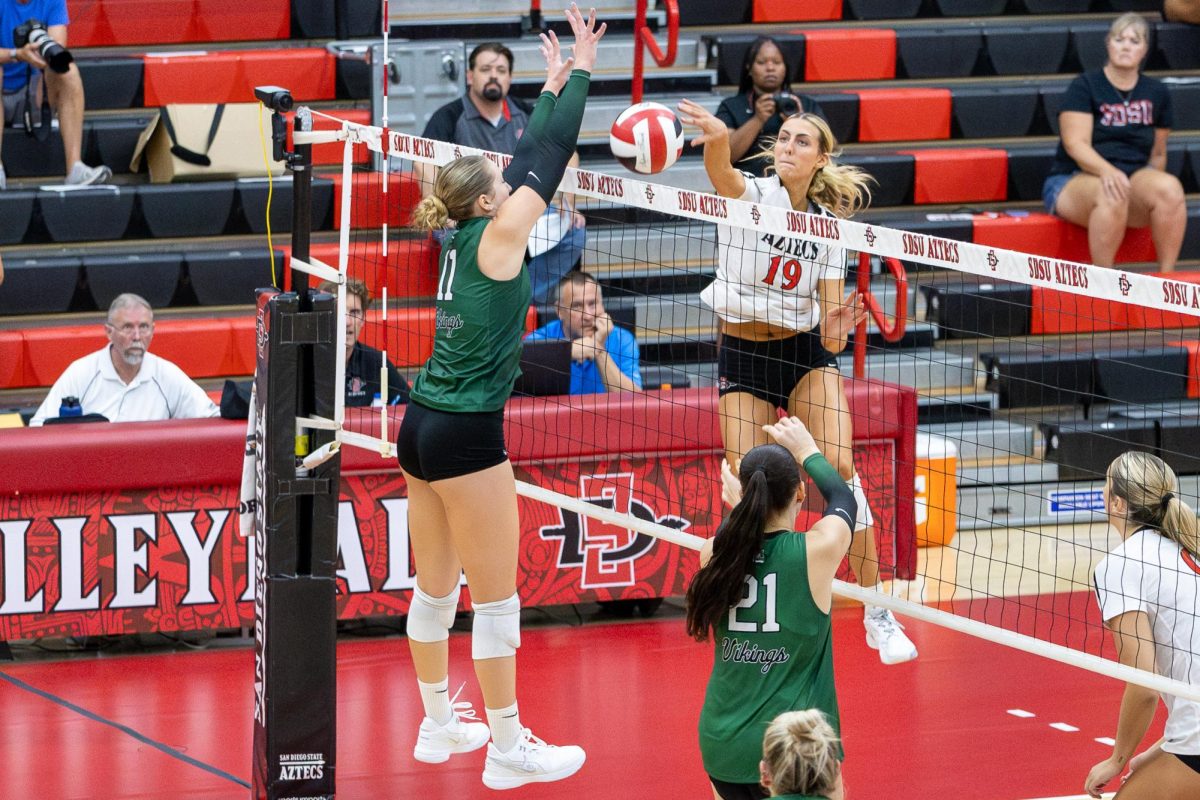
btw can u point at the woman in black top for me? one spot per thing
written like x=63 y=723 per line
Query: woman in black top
x=762 y=103
x=1109 y=172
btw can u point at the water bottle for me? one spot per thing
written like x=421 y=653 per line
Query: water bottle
x=70 y=407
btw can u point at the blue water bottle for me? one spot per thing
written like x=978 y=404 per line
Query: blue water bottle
x=70 y=407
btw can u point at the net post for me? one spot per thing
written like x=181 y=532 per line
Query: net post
x=295 y=547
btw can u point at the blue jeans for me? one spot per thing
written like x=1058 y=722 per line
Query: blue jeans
x=546 y=270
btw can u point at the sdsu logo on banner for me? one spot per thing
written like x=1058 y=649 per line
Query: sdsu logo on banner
x=605 y=552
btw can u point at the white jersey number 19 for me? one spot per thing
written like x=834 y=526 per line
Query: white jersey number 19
x=769 y=625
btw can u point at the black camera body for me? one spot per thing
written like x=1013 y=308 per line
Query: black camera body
x=33 y=31
x=275 y=98
x=786 y=104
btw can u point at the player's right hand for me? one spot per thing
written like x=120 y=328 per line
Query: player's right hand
x=697 y=115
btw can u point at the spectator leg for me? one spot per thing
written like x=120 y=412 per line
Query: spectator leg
x=66 y=96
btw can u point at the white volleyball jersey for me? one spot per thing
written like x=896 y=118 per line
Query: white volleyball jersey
x=769 y=276
x=1150 y=573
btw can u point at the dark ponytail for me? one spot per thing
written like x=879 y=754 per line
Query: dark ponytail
x=769 y=476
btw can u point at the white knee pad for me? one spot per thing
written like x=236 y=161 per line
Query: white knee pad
x=496 y=632
x=864 y=519
x=430 y=618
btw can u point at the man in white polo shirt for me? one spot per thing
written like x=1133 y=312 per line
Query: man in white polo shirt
x=124 y=382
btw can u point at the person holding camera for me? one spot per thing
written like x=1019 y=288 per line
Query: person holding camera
x=762 y=103
x=39 y=71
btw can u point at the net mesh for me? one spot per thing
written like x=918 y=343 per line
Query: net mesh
x=981 y=433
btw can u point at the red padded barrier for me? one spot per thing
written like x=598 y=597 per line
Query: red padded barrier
x=898 y=115
x=229 y=76
x=1052 y=311
x=151 y=22
x=367 y=210
x=89 y=25
x=226 y=20
x=857 y=54
x=1193 y=350
x=1049 y=236
x=410 y=271
x=49 y=351
x=1185 y=290
x=12 y=359
x=243 y=352
x=199 y=347
x=970 y=174
x=792 y=11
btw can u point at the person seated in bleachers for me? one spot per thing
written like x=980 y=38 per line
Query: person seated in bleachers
x=363 y=362
x=488 y=118
x=28 y=84
x=124 y=382
x=761 y=105
x=1109 y=173
x=604 y=358
x=1182 y=11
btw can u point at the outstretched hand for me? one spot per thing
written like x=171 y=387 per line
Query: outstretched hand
x=792 y=434
x=731 y=487
x=844 y=318
x=587 y=36
x=557 y=70
x=711 y=128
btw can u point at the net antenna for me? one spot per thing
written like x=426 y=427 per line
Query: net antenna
x=625 y=198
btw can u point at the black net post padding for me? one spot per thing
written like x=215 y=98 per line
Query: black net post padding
x=295 y=554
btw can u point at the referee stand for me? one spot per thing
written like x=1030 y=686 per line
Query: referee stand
x=296 y=495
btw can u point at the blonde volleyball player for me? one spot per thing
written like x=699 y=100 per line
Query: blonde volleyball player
x=462 y=501
x=764 y=591
x=783 y=319
x=1149 y=594
x=801 y=757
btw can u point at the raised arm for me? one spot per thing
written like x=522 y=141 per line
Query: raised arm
x=727 y=181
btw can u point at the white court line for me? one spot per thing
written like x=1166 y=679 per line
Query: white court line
x=1075 y=797
x=1107 y=741
x=1020 y=712
x=1062 y=726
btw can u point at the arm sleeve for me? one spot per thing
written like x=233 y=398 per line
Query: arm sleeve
x=548 y=146
x=627 y=356
x=839 y=499
x=1118 y=580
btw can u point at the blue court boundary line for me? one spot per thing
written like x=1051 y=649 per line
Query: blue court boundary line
x=170 y=751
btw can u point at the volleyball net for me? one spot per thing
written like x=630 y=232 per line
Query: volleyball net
x=982 y=425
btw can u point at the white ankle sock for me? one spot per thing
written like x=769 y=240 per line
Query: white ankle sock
x=506 y=727
x=436 y=699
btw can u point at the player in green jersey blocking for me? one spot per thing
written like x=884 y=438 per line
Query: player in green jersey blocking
x=764 y=591
x=462 y=500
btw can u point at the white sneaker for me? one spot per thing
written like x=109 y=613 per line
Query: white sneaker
x=83 y=175
x=530 y=761
x=462 y=734
x=886 y=635
x=3 y=179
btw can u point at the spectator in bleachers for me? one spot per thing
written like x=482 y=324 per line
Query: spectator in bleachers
x=604 y=358
x=29 y=84
x=123 y=381
x=1110 y=170
x=363 y=362
x=486 y=117
x=762 y=103
x=1182 y=11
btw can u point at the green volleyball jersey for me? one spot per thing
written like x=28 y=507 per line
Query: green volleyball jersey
x=774 y=653
x=478 y=327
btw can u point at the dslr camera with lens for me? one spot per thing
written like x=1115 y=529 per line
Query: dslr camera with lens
x=33 y=31
x=786 y=104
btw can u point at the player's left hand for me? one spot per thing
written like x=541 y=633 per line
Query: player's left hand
x=731 y=487
x=1100 y=775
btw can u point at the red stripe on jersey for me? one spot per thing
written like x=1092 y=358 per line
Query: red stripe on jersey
x=1190 y=561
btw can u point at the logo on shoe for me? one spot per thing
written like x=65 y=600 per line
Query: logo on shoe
x=605 y=552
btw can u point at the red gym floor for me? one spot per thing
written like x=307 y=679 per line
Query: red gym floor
x=178 y=726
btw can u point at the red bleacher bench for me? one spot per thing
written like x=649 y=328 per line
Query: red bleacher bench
x=12 y=359
x=1053 y=237
x=410 y=269
x=370 y=209
x=959 y=175
x=330 y=153
x=1193 y=382
x=1142 y=317
x=99 y=23
x=793 y=11
x=229 y=76
x=849 y=54
x=899 y=115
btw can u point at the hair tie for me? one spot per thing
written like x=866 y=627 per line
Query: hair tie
x=1166 y=500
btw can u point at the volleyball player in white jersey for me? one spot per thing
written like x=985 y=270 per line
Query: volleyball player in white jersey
x=783 y=318
x=1148 y=588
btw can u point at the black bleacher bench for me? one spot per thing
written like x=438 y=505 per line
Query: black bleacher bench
x=1083 y=449
x=155 y=276
x=38 y=285
x=964 y=307
x=1036 y=376
x=186 y=209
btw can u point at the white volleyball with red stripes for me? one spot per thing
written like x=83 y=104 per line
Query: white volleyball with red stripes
x=646 y=138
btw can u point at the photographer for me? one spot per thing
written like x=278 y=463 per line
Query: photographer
x=761 y=105
x=30 y=82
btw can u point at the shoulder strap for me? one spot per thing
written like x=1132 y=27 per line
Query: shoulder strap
x=181 y=152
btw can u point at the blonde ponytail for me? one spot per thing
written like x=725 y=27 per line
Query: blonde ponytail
x=842 y=188
x=1149 y=486
x=800 y=752
x=457 y=186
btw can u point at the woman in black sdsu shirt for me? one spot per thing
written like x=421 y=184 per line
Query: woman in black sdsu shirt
x=1109 y=172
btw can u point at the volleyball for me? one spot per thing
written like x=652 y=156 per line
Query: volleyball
x=646 y=138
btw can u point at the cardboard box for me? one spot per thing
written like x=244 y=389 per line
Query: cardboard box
x=191 y=148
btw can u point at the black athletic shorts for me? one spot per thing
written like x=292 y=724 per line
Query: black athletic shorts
x=738 y=791
x=769 y=370
x=434 y=445
x=1192 y=761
